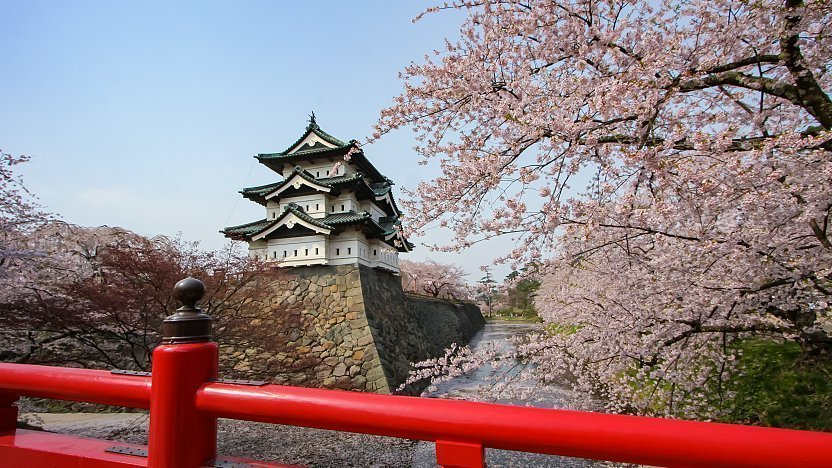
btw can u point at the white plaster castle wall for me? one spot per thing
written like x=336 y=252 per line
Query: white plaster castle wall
x=296 y=251
x=258 y=249
x=322 y=170
x=345 y=248
x=313 y=205
x=375 y=211
x=344 y=202
x=273 y=209
x=353 y=247
x=381 y=255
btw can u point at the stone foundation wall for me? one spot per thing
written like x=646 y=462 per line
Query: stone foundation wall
x=409 y=328
x=349 y=327
x=446 y=322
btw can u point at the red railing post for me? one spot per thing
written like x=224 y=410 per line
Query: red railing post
x=8 y=412
x=180 y=435
x=459 y=454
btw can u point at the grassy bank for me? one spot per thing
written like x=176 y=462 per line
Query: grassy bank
x=778 y=386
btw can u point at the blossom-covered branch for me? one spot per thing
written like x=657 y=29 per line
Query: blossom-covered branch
x=667 y=163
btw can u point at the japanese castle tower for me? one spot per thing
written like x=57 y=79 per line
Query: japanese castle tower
x=333 y=207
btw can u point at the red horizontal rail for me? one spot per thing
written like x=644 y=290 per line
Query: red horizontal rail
x=629 y=439
x=64 y=383
x=622 y=438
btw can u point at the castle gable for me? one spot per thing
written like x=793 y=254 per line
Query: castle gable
x=298 y=178
x=311 y=142
x=293 y=216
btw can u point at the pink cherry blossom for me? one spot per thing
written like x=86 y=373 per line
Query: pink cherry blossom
x=434 y=279
x=669 y=165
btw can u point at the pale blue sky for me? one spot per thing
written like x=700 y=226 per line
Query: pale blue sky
x=146 y=114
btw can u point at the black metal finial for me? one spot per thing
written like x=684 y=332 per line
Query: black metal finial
x=189 y=324
x=312 y=122
x=189 y=291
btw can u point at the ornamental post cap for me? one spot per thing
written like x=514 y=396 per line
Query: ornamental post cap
x=189 y=324
x=189 y=291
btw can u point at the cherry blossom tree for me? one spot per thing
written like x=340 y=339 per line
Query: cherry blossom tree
x=105 y=291
x=17 y=210
x=19 y=215
x=434 y=279
x=668 y=163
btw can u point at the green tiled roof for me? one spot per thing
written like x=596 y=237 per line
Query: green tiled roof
x=389 y=223
x=257 y=193
x=385 y=226
x=314 y=128
x=311 y=128
x=260 y=190
x=346 y=218
x=283 y=155
x=298 y=211
x=337 y=180
x=305 y=174
x=275 y=161
x=380 y=188
x=248 y=229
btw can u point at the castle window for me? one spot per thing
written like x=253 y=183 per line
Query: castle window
x=316 y=251
x=274 y=214
x=327 y=172
x=316 y=207
x=333 y=208
x=375 y=252
x=307 y=207
x=342 y=208
x=296 y=253
x=337 y=251
x=306 y=251
x=284 y=254
x=349 y=250
x=317 y=173
x=274 y=254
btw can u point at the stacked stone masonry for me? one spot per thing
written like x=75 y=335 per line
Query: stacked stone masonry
x=349 y=327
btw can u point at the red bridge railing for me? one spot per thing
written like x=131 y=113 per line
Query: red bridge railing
x=185 y=401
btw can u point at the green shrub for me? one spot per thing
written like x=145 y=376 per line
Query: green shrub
x=778 y=386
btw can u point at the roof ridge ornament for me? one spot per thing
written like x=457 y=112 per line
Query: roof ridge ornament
x=312 y=123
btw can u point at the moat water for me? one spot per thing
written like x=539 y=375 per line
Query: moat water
x=499 y=385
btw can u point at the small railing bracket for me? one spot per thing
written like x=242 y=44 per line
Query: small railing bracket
x=253 y=383
x=125 y=450
x=133 y=373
